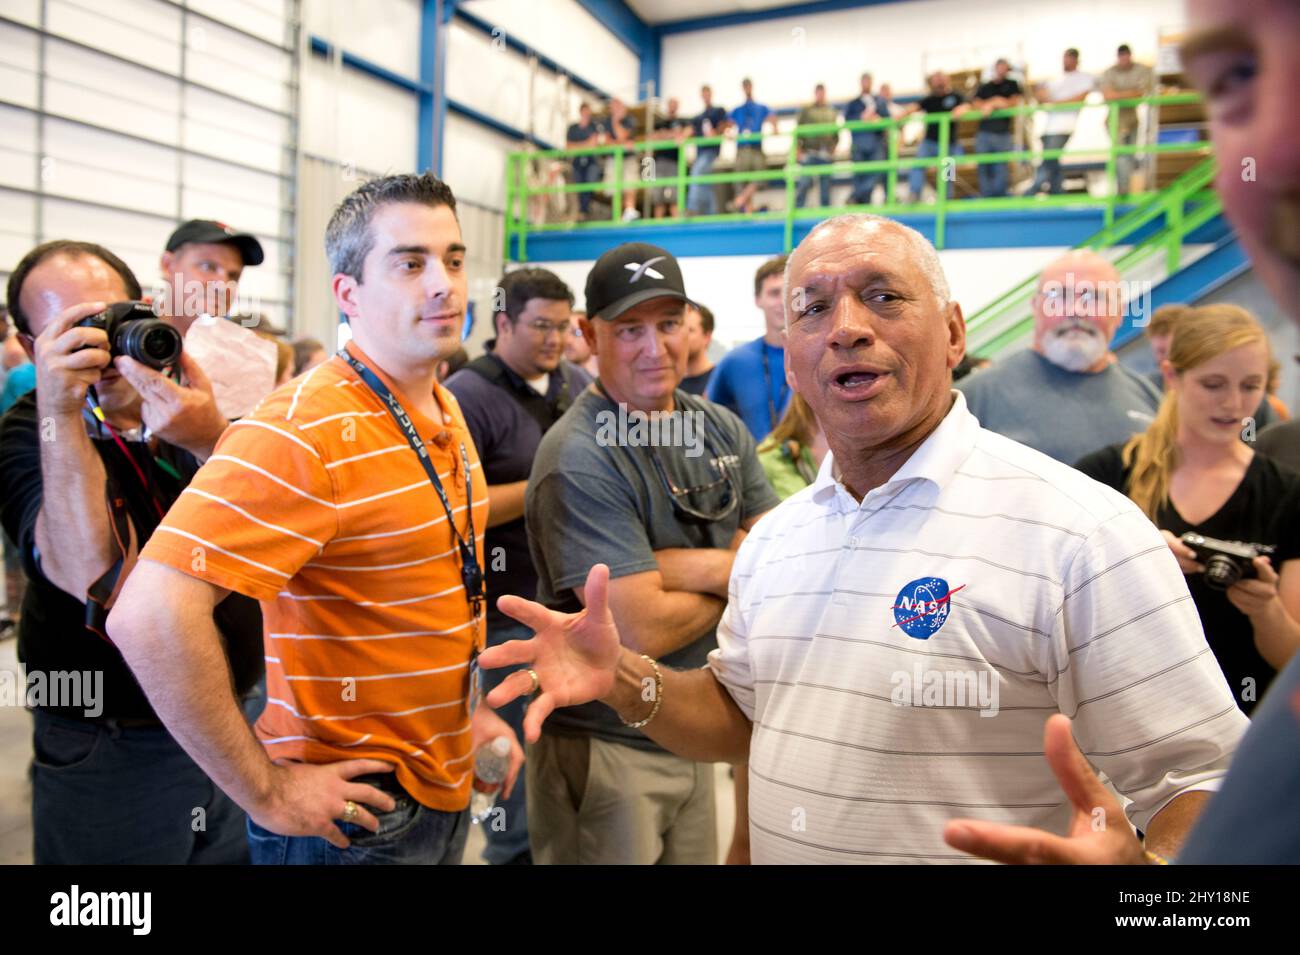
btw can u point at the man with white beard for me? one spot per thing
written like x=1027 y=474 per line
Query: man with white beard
x=1066 y=395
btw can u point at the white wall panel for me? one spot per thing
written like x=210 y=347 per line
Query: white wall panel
x=229 y=130
x=266 y=18
x=386 y=32
x=143 y=30
x=229 y=61
x=18 y=148
x=247 y=200
x=19 y=49
x=358 y=119
x=501 y=83
x=101 y=167
x=569 y=35
x=474 y=161
x=98 y=185
x=99 y=90
x=17 y=229
x=24 y=11
x=897 y=42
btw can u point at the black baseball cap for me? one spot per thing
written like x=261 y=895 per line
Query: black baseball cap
x=209 y=230
x=630 y=274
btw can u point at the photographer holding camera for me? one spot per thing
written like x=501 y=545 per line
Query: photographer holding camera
x=1217 y=502
x=89 y=463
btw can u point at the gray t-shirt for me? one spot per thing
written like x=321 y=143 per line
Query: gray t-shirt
x=595 y=499
x=1064 y=414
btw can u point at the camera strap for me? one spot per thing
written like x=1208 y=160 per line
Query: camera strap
x=471 y=574
x=99 y=592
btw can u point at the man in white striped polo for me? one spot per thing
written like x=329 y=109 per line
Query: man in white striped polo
x=898 y=633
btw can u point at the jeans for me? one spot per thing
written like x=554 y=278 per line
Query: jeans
x=585 y=173
x=928 y=149
x=866 y=149
x=507 y=835
x=104 y=794
x=1049 y=171
x=411 y=834
x=814 y=158
x=994 y=177
x=1124 y=165
x=701 y=199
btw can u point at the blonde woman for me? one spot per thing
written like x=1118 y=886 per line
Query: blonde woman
x=793 y=452
x=1191 y=472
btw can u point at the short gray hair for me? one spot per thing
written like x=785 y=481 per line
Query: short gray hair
x=347 y=237
x=922 y=250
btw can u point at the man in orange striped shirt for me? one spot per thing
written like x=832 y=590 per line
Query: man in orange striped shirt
x=323 y=505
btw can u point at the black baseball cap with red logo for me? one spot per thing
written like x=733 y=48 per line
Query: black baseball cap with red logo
x=630 y=274
x=211 y=231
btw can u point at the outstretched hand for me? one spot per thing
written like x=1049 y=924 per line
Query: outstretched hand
x=575 y=655
x=1099 y=832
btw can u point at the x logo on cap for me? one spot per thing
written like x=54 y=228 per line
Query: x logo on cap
x=639 y=269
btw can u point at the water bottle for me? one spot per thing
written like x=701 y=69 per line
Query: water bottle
x=490 y=768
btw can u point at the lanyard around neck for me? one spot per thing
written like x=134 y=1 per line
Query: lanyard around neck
x=767 y=391
x=471 y=574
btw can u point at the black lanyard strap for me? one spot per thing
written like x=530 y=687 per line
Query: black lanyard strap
x=767 y=389
x=471 y=574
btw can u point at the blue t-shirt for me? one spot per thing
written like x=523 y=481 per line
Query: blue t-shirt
x=739 y=383
x=19 y=381
x=749 y=117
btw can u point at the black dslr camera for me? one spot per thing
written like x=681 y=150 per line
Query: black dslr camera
x=133 y=330
x=1226 y=562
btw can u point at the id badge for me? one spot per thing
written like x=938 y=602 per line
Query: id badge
x=475 y=684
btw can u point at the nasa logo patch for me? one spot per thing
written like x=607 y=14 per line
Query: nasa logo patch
x=922 y=606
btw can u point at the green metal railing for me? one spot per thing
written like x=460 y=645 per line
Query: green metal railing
x=1184 y=205
x=518 y=190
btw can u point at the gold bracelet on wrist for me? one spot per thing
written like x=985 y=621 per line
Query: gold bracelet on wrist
x=1154 y=858
x=659 y=696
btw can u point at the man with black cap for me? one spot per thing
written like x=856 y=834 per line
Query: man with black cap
x=201 y=268
x=661 y=486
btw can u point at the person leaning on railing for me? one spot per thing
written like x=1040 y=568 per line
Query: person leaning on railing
x=866 y=145
x=585 y=133
x=671 y=126
x=701 y=198
x=942 y=99
x=1073 y=87
x=1126 y=80
x=994 y=135
x=816 y=150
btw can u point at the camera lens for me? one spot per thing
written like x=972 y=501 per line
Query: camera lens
x=1221 y=572
x=149 y=341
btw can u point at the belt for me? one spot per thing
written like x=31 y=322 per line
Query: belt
x=106 y=722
